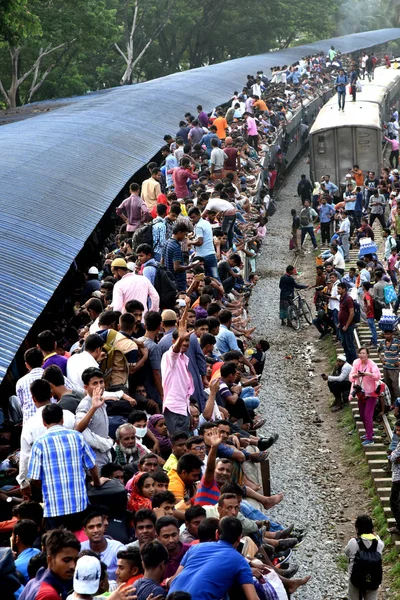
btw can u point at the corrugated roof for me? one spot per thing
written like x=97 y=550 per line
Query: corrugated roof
x=61 y=170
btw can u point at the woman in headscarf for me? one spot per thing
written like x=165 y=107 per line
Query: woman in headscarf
x=158 y=428
x=141 y=490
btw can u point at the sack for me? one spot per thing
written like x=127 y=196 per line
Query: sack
x=106 y=364
x=357 y=312
x=305 y=217
x=377 y=309
x=390 y=294
x=367 y=567
x=291 y=244
x=359 y=86
x=165 y=285
x=271 y=210
x=143 y=235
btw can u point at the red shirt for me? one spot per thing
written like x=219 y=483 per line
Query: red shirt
x=369 y=306
x=231 y=163
x=346 y=303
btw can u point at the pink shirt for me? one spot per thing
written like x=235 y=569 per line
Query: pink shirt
x=135 y=209
x=134 y=287
x=251 y=126
x=392 y=261
x=367 y=383
x=177 y=382
x=180 y=177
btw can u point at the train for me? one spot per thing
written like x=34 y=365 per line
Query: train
x=339 y=140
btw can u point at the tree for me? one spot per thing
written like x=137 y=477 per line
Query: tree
x=46 y=35
x=138 y=39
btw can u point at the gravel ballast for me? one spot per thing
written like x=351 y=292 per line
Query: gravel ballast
x=302 y=466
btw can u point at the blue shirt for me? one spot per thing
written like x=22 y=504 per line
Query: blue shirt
x=206 y=140
x=210 y=570
x=359 y=202
x=170 y=163
x=150 y=270
x=21 y=563
x=331 y=187
x=341 y=82
x=159 y=234
x=226 y=340
x=172 y=252
x=59 y=459
x=325 y=213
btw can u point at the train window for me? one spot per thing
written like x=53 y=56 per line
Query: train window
x=321 y=144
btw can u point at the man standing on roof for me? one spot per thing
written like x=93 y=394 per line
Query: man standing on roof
x=341 y=81
x=132 y=287
x=133 y=210
x=151 y=188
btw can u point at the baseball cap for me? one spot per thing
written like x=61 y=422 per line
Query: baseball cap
x=87 y=575
x=119 y=263
x=168 y=315
x=342 y=357
x=93 y=271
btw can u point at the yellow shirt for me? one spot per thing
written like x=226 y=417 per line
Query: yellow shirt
x=171 y=463
x=176 y=485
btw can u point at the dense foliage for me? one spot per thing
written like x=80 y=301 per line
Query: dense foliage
x=58 y=48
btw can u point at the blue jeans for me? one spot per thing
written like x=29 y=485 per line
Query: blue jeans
x=341 y=99
x=310 y=231
x=256 y=515
x=251 y=401
x=347 y=341
x=210 y=266
x=394 y=442
x=371 y=325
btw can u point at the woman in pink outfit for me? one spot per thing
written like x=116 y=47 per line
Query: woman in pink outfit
x=365 y=373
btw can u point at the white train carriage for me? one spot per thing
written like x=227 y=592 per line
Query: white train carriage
x=338 y=140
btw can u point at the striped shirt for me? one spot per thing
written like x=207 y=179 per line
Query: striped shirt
x=207 y=494
x=23 y=391
x=59 y=459
x=390 y=354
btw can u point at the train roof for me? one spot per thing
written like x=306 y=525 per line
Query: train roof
x=365 y=111
x=61 y=170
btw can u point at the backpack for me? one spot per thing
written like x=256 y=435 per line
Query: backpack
x=143 y=235
x=107 y=362
x=165 y=285
x=305 y=217
x=357 y=312
x=271 y=210
x=367 y=567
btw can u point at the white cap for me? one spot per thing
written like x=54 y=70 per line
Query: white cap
x=131 y=266
x=395 y=171
x=342 y=357
x=93 y=271
x=87 y=575
x=348 y=175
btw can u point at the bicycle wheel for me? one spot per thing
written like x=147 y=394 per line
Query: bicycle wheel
x=306 y=310
x=293 y=317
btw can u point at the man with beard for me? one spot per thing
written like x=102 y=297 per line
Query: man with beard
x=127 y=449
x=55 y=582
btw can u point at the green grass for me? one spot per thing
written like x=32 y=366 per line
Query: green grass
x=354 y=455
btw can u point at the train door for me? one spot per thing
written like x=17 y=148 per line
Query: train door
x=368 y=148
x=345 y=152
x=323 y=154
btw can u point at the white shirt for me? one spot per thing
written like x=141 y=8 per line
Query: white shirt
x=95 y=327
x=334 y=303
x=32 y=430
x=345 y=226
x=338 y=261
x=76 y=364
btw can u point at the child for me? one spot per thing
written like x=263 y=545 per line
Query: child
x=258 y=358
x=370 y=313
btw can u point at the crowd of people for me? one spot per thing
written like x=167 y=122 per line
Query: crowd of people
x=344 y=296
x=131 y=450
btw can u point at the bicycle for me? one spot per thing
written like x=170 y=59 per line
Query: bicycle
x=297 y=309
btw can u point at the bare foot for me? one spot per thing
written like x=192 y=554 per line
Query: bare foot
x=291 y=585
x=271 y=501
